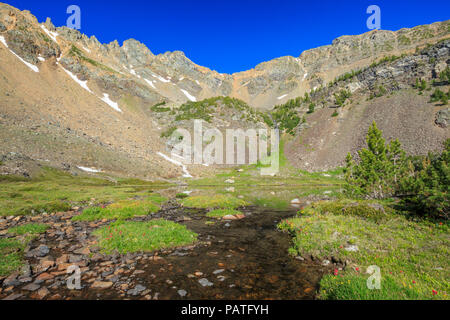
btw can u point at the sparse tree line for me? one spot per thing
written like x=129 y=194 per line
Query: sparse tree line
x=384 y=171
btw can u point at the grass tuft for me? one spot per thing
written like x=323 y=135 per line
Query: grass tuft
x=31 y=229
x=125 y=237
x=217 y=201
x=11 y=251
x=121 y=210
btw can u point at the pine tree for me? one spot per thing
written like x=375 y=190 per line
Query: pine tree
x=380 y=169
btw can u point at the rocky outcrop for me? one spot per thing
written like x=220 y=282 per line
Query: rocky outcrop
x=173 y=77
x=443 y=118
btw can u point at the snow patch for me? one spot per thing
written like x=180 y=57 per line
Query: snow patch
x=188 y=95
x=160 y=78
x=150 y=83
x=304 y=77
x=83 y=84
x=175 y=162
x=282 y=97
x=2 y=40
x=51 y=34
x=91 y=170
x=111 y=103
x=42 y=59
x=29 y=65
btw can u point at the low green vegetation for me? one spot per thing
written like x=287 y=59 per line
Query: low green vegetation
x=121 y=210
x=220 y=213
x=311 y=108
x=30 y=229
x=440 y=96
x=56 y=191
x=341 y=97
x=75 y=52
x=11 y=252
x=218 y=105
x=159 y=107
x=412 y=255
x=124 y=237
x=218 y=201
x=347 y=76
x=387 y=59
x=378 y=92
x=406 y=237
x=181 y=195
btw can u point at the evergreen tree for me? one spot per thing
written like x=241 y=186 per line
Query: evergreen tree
x=380 y=168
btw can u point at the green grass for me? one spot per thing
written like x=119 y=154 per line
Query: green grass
x=121 y=210
x=205 y=109
x=11 y=252
x=149 y=236
x=57 y=191
x=158 y=108
x=74 y=51
x=413 y=255
x=219 y=201
x=31 y=229
x=181 y=196
x=220 y=213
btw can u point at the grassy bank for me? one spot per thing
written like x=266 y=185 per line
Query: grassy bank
x=412 y=254
x=53 y=190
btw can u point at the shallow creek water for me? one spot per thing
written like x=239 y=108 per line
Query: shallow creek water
x=242 y=259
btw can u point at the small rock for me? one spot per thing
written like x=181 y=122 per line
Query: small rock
x=198 y=274
x=83 y=251
x=218 y=271
x=44 y=265
x=31 y=287
x=11 y=281
x=137 y=290
x=13 y=297
x=353 y=248
x=182 y=293
x=205 y=282
x=325 y=262
x=42 y=251
x=102 y=285
x=230 y=181
x=229 y=217
x=44 y=277
x=41 y=293
x=75 y=258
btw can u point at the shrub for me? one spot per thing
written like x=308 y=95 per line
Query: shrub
x=341 y=97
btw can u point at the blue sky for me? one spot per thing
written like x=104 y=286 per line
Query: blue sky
x=231 y=36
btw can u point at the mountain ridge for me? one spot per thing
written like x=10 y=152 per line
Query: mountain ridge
x=69 y=101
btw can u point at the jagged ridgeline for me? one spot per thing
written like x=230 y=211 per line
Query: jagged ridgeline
x=110 y=107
